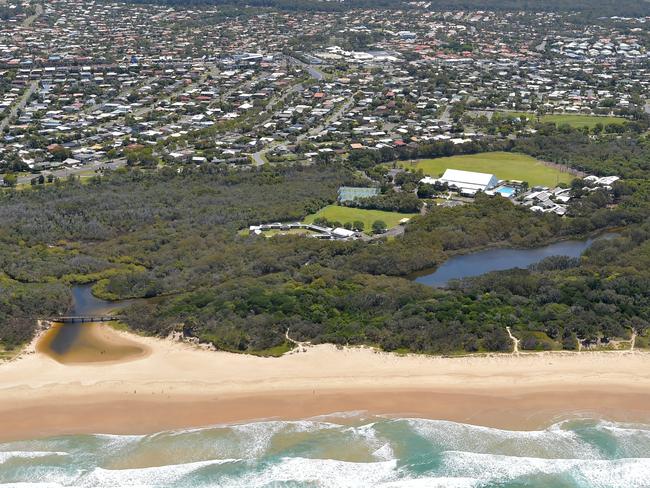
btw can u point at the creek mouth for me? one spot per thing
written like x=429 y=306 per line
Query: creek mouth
x=89 y=342
x=93 y=342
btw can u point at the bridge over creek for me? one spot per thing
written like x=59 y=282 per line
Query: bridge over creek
x=83 y=319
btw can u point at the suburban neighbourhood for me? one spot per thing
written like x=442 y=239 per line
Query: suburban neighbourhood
x=90 y=87
x=325 y=243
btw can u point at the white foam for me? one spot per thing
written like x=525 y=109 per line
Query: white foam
x=624 y=428
x=257 y=436
x=321 y=472
x=351 y=414
x=491 y=468
x=471 y=456
x=9 y=455
x=382 y=449
x=114 y=443
x=433 y=482
x=31 y=484
x=145 y=477
x=385 y=452
x=554 y=442
x=631 y=440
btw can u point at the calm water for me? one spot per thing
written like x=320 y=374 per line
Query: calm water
x=86 y=342
x=481 y=262
x=362 y=452
x=85 y=303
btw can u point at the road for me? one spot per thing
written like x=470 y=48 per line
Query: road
x=123 y=93
x=329 y=120
x=142 y=111
x=446 y=115
x=213 y=70
x=315 y=73
x=22 y=101
x=258 y=157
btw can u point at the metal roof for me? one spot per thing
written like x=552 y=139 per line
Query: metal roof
x=469 y=179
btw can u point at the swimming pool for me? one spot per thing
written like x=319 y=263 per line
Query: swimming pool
x=505 y=191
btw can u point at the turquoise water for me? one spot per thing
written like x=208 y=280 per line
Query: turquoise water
x=506 y=191
x=356 y=451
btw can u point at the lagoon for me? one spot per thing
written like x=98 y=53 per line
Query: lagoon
x=481 y=262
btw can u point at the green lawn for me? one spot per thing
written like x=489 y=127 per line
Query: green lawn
x=574 y=120
x=504 y=165
x=348 y=214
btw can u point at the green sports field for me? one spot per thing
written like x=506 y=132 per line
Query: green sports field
x=504 y=165
x=348 y=214
x=574 y=120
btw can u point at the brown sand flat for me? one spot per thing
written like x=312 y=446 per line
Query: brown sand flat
x=175 y=385
x=88 y=343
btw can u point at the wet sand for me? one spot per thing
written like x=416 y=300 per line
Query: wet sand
x=88 y=343
x=177 y=386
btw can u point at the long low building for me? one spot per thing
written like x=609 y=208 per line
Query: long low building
x=468 y=182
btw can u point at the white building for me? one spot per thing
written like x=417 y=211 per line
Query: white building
x=468 y=182
x=604 y=181
x=341 y=233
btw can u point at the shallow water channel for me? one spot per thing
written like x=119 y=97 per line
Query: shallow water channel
x=89 y=342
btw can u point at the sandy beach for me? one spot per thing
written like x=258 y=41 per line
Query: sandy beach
x=176 y=385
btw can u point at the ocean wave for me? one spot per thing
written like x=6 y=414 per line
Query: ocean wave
x=40 y=468
x=371 y=451
x=30 y=484
x=350 y=414
x=554 y=442
x=159 y=476
x=258 y=436
x=494 y=468
x=379 y=447
x=6 y=456
x=625 y=440
x=236 y=441
x=319 y=473
x=433 y=482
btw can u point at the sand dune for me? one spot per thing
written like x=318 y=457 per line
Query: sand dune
x=177 y=385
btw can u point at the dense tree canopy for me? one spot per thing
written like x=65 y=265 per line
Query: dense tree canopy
x=177 y=237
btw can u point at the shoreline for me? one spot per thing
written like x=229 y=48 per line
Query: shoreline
x=177 y=386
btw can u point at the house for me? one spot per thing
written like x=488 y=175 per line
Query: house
x=604 y=181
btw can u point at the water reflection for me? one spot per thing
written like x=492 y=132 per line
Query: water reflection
x=478 y=263
x=87 y=304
